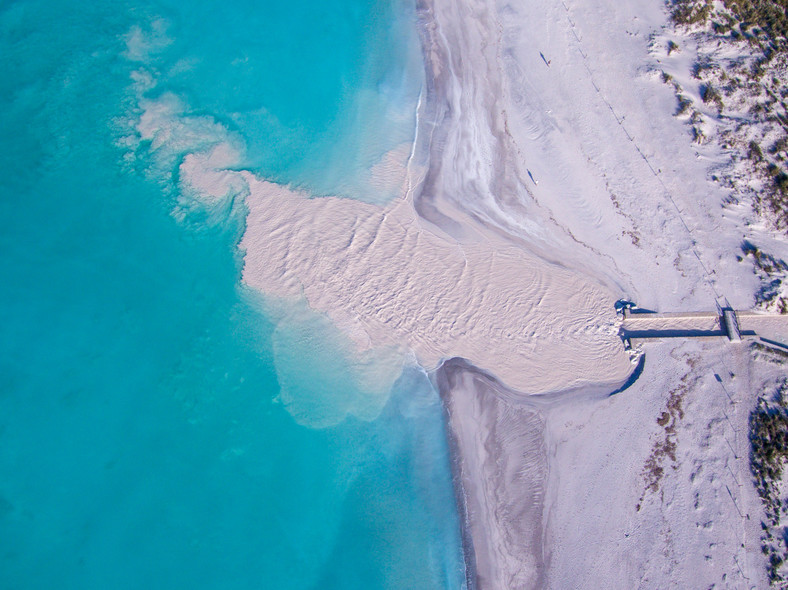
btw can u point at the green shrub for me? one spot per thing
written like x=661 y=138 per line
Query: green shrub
x=779 y=146
x=684 y=105
x=754 y=152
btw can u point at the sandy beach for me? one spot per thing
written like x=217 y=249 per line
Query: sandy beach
x=548 y=178
x=500 y=449
x=552 y=126
x=395 y=295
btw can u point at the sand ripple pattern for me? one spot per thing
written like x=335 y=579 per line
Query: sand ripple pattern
x=387 y=278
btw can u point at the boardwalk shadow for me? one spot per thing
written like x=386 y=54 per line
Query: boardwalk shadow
x=630 y=334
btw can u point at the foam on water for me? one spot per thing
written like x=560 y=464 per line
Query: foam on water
x=147 y=399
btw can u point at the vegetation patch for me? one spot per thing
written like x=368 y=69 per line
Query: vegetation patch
x=768 y=454
x=773 y=275
x=664 y=448
x=748 y=92
x=765 y=20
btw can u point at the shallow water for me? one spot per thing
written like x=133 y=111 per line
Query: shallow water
x=145 y=439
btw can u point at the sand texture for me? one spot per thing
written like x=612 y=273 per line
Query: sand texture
x=387 y=279
x=569 y=146
x=548 y=178
x=501 y=449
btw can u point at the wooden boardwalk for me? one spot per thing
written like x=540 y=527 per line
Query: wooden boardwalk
x=734 y=326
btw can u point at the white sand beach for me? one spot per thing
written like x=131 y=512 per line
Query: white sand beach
x=548 y=179
x=559 y=117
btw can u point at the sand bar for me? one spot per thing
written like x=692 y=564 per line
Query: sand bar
x=387 y=279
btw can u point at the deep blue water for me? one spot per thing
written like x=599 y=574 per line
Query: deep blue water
x=143 y=443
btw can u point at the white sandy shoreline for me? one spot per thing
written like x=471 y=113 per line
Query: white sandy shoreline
x=500 y=466
x=476 y=261
x=496 y=434
x=568 y=93
x=466 y=264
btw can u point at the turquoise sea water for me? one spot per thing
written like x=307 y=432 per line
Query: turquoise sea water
x=143 y=440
